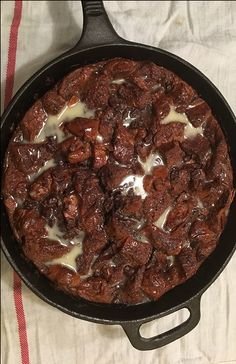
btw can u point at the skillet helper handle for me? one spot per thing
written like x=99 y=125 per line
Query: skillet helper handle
x=132 y=329
x=97 y=28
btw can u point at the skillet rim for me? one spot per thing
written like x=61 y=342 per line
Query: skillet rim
x=11 y=260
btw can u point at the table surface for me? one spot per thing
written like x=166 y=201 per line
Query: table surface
x=204 y=33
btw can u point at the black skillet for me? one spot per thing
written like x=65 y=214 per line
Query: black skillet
x=99 y=41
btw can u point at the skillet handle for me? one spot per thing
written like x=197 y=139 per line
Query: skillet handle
x=97 y=28
x=132 y=329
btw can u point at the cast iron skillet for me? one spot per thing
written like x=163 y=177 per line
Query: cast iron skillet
x=99 y=41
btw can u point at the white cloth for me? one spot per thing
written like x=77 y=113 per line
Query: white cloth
x=202 y=32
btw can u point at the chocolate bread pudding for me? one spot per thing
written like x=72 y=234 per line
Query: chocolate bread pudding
x=118 y=182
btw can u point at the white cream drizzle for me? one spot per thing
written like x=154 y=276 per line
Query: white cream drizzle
x=186 y=244
x=141 y=238
x=48 y=164
x=160 y=223
x=112 y=263
x=153 y=160
x=135 y=182
x=19 y=201
x=90 y=272
x=139 y=224
x=128 y=120
x=69 y=259
x=99 y=138
x=53 y=122
x=195 y=103
x=156 y=86
x=189 y=130
x=120 y=164
x=199 y=203
x=119 y=81
x=171 y=260
x=54 y=233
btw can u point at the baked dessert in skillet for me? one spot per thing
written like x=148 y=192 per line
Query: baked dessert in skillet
x=118 y=182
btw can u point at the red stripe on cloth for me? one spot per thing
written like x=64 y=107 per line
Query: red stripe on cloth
x=10 y=73
x=24 y=347
x=11 y=63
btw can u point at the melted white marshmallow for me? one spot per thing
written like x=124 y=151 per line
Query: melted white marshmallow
x=189 y=131
x=52 y=125
x=48 y=164
x=160 y=223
